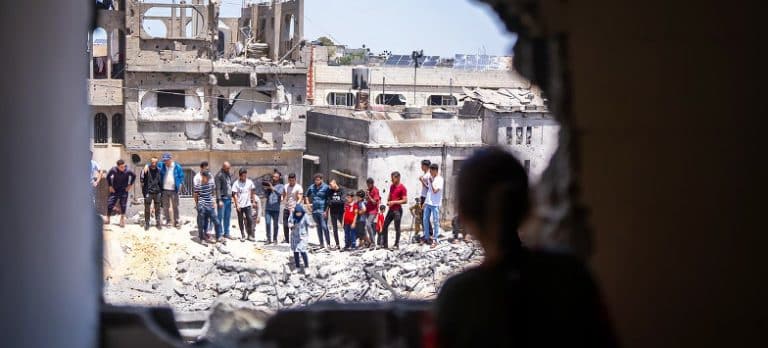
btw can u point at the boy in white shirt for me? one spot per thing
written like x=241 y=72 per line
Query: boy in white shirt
x=432 y=204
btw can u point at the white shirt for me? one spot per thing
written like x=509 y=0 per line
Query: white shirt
x=434 y=199
x=424 y=189
x=293 y=192
x=243 y=191
x=169 y=183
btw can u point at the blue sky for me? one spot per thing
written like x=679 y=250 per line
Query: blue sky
x=439 y=27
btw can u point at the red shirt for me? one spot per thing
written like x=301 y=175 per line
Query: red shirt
x=379 y=222
x=372 y=205
x=350 y=213
x=397 y=193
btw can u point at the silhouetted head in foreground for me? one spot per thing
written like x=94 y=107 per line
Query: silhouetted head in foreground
x=493 y=200
x=516 y=297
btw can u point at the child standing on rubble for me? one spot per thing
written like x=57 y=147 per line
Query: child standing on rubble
x=380 y=226
x=349 y=217
x=364 y=240
x=299 y=225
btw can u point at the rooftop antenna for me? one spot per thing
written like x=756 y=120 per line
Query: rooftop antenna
x=416 y=55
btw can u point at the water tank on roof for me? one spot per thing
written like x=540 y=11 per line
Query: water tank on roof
x=360 y=78
x=412 y=112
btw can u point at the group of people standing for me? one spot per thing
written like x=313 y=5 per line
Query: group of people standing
x=361 y=215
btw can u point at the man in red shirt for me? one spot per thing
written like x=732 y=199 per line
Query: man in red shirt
x=372 y=201
x=398 y=196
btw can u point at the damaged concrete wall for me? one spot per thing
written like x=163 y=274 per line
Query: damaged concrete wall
x=429 y=131
x=512 y=131
x=382 y=162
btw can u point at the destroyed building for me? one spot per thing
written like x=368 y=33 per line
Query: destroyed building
x=201 y=86
x=518 y=119
x=352 y=146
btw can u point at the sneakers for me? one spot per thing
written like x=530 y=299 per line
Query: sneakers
x=251 y=239
x=230 y=237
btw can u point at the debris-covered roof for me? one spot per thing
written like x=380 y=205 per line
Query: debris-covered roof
x=507 y=99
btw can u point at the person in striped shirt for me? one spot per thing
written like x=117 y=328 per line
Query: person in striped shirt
x=204 y=201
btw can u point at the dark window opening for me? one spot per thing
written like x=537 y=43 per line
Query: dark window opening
x=344 y=99
x=391 y=99
x=528 y=135
x=172 y=98
x=518 y=135
x=457 y=166
x=189 y=183
x=118 y=129
x=221 y=105
x=442 y=100
x=100 y=135
x=510 y=135
x=221 y=44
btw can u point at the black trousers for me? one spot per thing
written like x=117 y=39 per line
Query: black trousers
x=150 y=198
x=337 y=219
x=245 y=215
x=286 y=215
x=392 y=215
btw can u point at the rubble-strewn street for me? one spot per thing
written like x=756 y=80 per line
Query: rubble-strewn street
x=169 y=267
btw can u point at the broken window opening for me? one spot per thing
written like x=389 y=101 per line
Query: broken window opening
x=171 y=98
x=155 y=28
x=220 y=45
x=117 y=54
x=518 y=135
x=441 y=100
x=457 y=166
x=100 y=135
x=391 y=99
x=341 y=99
x=99 y=53
x=118 y=129
x=510 y=135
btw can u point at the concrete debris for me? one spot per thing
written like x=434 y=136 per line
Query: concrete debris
x=507 y=99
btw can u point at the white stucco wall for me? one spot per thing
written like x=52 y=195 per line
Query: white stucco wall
x=544 y=140
x=437 y=81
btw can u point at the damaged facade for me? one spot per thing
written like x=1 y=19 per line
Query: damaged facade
x=438 y=82
x=190 y=87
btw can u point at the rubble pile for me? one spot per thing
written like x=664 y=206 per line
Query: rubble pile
x=190 y=277
x=364 y=276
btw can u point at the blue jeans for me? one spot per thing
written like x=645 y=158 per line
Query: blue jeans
x=350 y=235
x=271 y=216
x=208 y=215
x=322 y=228
x=431 y=214
x=225 y=215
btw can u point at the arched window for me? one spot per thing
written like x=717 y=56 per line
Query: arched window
x=100 y=129
x=118 y=129
x=99 y=53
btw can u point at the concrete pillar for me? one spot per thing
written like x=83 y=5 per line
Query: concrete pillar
x=109 y=54
x=298 y=25
x=90 y=54
x=277 y=13
x=50 y=280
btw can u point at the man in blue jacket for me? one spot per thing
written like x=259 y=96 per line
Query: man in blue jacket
x=173 y=181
